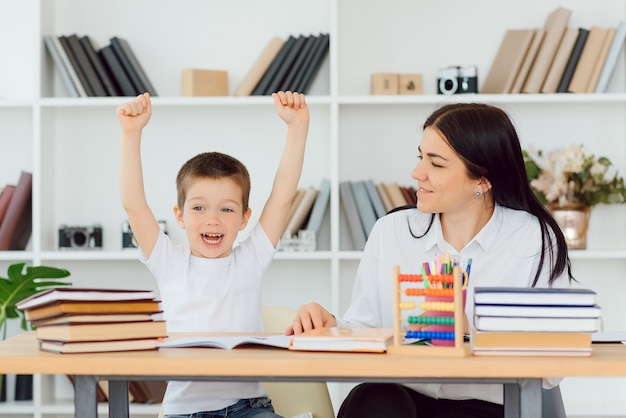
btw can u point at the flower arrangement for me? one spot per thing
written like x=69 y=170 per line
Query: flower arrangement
x=573 y=176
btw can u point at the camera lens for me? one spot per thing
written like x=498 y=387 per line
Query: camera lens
x=79 y=238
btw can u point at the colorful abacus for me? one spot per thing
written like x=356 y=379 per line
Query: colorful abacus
x=443 y=307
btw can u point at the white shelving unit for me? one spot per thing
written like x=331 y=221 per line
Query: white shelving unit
x=71 y=145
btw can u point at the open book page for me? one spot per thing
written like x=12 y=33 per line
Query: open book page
x=228 y=342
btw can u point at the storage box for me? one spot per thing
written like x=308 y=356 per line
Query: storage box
x=384 y=83
x=204 y=83
x=410 y=84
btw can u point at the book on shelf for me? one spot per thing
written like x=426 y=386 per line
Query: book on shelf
x=534 y=296
x=597 y=67
x=76 y=308
x=553 y=311
x=17 y=224
x=83 y=294
x=320 y=207
x=304 y=53
x=86 y=66
x=320 y=339
x=508 y=60
x=109 y=58
x=102 y=331
x=131 y=64
x=588 y=57
x=349 y=208
x=5 y=198
x=303 y=82
x=302 y=211
x=529 y=59
x=73 y=347
x=551 y=83
x=572 y=61
x=92 y=318
x=82 y=78
x=555 y=26
x=260 y=66
x=264 y=83
x=395 y=194
x=382 y=192
x=375 y=198
x=611 y=58
x=108 y=82
x=294 y=205
x=410 y=194
x=61 y=63
x=286 y=65
x=365 y=209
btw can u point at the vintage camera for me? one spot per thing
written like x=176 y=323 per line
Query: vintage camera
x=457 y=80
x=80 y=237
x=128 y=239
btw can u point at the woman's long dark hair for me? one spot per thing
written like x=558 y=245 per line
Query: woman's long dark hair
x=486 y=141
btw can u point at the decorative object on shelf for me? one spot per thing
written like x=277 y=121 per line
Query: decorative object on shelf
x=19 y=285
x=570 y=182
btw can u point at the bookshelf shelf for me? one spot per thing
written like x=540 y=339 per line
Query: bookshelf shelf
x=71 y=144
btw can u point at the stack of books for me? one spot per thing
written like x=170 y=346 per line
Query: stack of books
x=85 y=320
x=534 y=321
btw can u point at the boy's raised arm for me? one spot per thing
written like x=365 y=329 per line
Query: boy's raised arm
x=292 y=109
x=133 y=117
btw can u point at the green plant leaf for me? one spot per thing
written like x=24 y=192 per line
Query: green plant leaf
x=21 y=284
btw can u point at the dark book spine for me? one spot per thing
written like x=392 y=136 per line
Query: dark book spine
x=111 y=61
x=316 y=63
x=573 y=60
x=105 y=77
x=86 y=66
x=134 y=67
x=284 y=68
x=298 y=65
x=276 y=63
x=17 y=224
x=79 y=71
x=60 y=65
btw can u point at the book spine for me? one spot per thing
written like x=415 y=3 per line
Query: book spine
x=264 y=84
x=118 y=72
x=611 y=59
x=69 y=66
x=74 y=62
x=259 y=68
x=85 y=65
x=316 y=62
x=277 y=80
x=352 y=215
x=572 y=62
x=124 y=60
x=134 y=67
x=96 y=61
x=60 y=66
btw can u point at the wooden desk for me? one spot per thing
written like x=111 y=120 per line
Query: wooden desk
x=520 y=375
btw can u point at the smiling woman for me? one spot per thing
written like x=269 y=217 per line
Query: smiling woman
x=474 y=203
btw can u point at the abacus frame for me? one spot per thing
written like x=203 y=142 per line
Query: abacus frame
x=460 y=349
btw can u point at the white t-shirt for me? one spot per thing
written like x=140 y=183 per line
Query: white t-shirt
x=210 y=295
x=504 y=253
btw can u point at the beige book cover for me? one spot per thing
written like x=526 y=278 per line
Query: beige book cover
x=395 y=194
x=302 y=212
x=508 y=61
x=259 y=67
x=604 y=52
x=529 y=59
x=555 y=27
x=588 y=59
x=294 y=205
x=382 y=191
x=551 y=83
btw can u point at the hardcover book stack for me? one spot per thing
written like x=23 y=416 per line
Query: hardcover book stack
x=534 y=321
x=84 y=320
x=556 y=58
x=87 y=71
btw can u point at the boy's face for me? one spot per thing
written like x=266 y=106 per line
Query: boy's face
x=212 y=216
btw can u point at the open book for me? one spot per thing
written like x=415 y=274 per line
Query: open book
x=372 y=340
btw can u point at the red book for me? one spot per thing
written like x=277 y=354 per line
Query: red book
x=17 y=224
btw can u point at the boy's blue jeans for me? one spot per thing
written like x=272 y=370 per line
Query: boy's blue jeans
x=244 y=408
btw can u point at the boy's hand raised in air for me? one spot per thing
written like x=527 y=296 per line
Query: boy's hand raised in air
x=134 y=115
x=291 y=107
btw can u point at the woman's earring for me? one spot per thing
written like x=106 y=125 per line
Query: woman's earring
x=478 y=193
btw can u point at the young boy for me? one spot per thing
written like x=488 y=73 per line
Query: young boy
x=212 y=286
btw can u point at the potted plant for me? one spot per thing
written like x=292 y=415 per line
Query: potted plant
x=19 y=285
x=570 y=181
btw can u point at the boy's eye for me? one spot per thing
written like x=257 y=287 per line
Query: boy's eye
x=197 y=208
x=228 y=210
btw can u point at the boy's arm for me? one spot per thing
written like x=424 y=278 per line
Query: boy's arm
x=133 y=117
x=292 y=109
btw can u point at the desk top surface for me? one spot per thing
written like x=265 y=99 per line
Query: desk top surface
x=21 y=354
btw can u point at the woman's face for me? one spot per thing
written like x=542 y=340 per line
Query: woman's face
x=443 y=185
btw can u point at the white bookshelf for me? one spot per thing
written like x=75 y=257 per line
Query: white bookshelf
x=71 y=145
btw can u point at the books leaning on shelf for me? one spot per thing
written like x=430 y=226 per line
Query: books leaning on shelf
x=17 y=220
x=85 y=320
x=534 y=321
